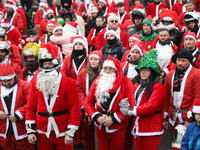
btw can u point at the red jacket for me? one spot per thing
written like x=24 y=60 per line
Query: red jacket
x=113 y=6
x=38 y=17
x=13 y=36
x=191 y=90
x=101 y=41
x=21 y=11
x=91 y=39
x=43 y=39
x=180 y=21
x=17 y=21
x=55 y=10
x=153 y=9
x=19 y=100
x=65 y=98
x=42 y=28
x=124 y=58
x=147 y=123
x=127 y=23
x=179 y=8
x=124 y=17
x=28 y=78
x=16 y=57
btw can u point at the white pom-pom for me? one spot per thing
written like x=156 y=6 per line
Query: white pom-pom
x=55 y=61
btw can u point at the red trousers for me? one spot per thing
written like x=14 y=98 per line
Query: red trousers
x=79 y=134
x=45 y=143
x=89 y=139
x=110 y=141
x=128 y=144
x=10 y=143
x=147 y=142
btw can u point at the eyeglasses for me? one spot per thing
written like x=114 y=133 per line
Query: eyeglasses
x=112 y=21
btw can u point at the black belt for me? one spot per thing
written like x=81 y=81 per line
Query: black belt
x=54 y=114
x=108 y=113
x=157 y=112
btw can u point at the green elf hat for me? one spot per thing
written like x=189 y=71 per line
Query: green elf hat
x=148 y=20
x=149 y=61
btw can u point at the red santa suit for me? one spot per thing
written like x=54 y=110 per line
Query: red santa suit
x=55 y=10
x=43 y=39
x=171 y=4
x=127 y=23
x=180 y=21
x=179 y=8
x=18 y=106
x=21 y=11
x=183 y=99
x=38 y=17
x=14 y=36
x=124 y=17
x=113 y=6
x=27 y=78
x=148 y=125
x=111 y=137
x=101 y=41
x=16 y=57
x=153 y=9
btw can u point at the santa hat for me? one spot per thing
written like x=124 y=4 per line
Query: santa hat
x=79 y=39
x=53 y=50
x=112 y=16
x=168 y=15
x=138 y=46
x=49 y=11
x=50 y=23
x=44 y=4
x=110 y=63
x=1 y=11
x=10 y=4
x=147 y=20
x=97 y=54
x=6 y=72
x=112 y=32
x=56 y=27
x=196 y=107
x=93 y=9
x=71 y=41
x=136 y=37
x=71 y=26
x=4 y=23
x=191 y=35
x=103 y=1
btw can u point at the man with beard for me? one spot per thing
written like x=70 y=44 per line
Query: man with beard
x=56 y=8
x=13 y=100
x=67 y=10
x=148 y=36
x=102 y=105
x=137 y=17
x=180 y=7
x=53 y=107
x=182 y=86
x=192 y=21
x=94 y=31
x=13 y=17
x=104 y=10
x=165 y=49
x=30 y=55
x=46 y=37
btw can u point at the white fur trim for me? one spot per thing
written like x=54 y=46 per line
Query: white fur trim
x=73 y=127
x=43 y=4
x=4 y=25
x=134 y=38
x=117 y=118
x=50 y=24
x=112 y=32
x=7 y=77
x=113 y=16
x=94 y=55
x=69 y=27
x=103 y=1
x=49 y=11
x=79 y=40
x=166 y=113
x=109 y=63
x=55 y=61
x=19 y=115
x=9 y=6
x=196 y=109
x=70 y=45
x=135 y=111
x=56 y=28
x=190 y=37
x=137 y=47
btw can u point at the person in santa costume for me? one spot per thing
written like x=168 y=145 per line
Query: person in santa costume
x=122 y=14
x=100 y=25
x=45 y=38
x=77 y=61
x=84 y=81
x=14 y=97
x=104 y=9
x=102 y=105
x=56 y=8
x=13 y=16
x=30 y=54
x=182 y=86
x=13 y=35
x=40 y=12
x=180 y=21
x=192 y=21
x=53 y=108
x=168 y=20
x=148 y=36
x=113 y=6
x=180 y=7
x=149 y=96
x=154 y=7
x=113 y=24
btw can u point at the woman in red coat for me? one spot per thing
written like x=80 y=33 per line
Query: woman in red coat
x=149 y=95
x=84 y=82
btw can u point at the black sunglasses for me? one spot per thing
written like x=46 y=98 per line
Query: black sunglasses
x=114 y=21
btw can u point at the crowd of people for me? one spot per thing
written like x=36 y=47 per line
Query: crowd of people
x=120 y=70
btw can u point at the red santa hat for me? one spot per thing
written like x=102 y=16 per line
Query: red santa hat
x=71 y=26
x=109 y=62
x=191 y=35
x=196 y=107
x=93 y=9
x=49 y=11
x=44 y=4
x=79 y=39
x=1 y=11
x=53 y=50
x=112 y=32
x=56 y=27
x=136 y=37
x=168 y=15
x=50 y=23
x=10 y=4
x=112 y=16
x=96 y=54
x=138 y=46
x=71 y=41
x=103 y=1
x=6 y=72
x=4 y=23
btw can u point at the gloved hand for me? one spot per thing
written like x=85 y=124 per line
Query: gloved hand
x=125 y=107
x=124 y=103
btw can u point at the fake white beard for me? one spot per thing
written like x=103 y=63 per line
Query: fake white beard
x=105 y=83
x=47 y=82
x=169 y=27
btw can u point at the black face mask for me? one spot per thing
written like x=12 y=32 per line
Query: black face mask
x=31 y=64
x=66 y=7
x=34 y=8
x=110 y=42
x=78 y=52
x=156 y=3
x=184 y=2
x=51 y=17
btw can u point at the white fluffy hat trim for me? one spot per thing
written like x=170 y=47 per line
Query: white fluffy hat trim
x=112 y=32
x=109 y=63
x=79 y=40
x=138 y=48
